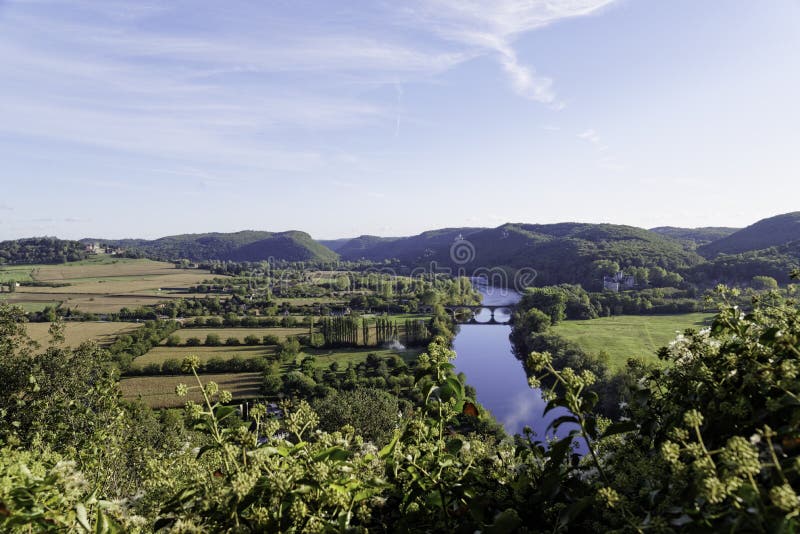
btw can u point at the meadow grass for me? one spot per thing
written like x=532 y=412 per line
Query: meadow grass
x=344 y=356
x=30 y=306
x=17 y=273
x=629 y=336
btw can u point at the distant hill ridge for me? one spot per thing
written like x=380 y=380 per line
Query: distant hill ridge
x=696 y=236
x=560 y=252
x=766 y=233
x=247 y=245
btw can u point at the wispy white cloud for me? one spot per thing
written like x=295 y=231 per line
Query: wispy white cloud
x=123 y=76
x=491 y=27
x=594 y=138
x=606 y=161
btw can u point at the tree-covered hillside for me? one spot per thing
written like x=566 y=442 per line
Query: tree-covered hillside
x=770 y=232
x=41 y=250
x=414 y=250
x=247 y=245
x=564 y=252
x=736 y=269
x=695 y=236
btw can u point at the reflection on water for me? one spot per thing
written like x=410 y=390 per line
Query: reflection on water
x=484 y=355
x=486 y=358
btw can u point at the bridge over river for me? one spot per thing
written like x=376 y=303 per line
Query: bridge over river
x=462 y=314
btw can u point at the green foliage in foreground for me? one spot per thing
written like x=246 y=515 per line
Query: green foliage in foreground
x=710 y=443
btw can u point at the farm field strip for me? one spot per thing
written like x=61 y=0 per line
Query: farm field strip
x=159 y=391
x=123 y=285
x=30 y=305
x=76 y=333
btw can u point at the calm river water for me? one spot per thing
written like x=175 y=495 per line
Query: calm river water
x=485 y=357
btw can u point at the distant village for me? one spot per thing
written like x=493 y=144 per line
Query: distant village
x=97 y=248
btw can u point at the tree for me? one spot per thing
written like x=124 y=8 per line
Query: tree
x=372 y=412
x=289 y=348
x=213 y=340
x=296 y=384
x=550 y=300
x=342 y=282
x=171 y=366
x=271 y=385
x=532 y=320
x=193 y=341
x=601 y=268
x=173 y=340
x=764 y=283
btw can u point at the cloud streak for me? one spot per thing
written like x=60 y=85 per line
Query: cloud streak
x=491 y=27
x=124 y=77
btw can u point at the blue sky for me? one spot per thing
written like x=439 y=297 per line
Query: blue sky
x=144 y=119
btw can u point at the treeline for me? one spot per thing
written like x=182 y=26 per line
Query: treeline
x=129 y=346
x=41 y=250
x=348 y=331
x=216 y=364
x=568 y=301
x=740 y=269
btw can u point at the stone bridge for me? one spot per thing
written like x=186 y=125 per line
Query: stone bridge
x=463 y=314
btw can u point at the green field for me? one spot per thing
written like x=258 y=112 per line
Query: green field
x=18 y=273
x=324 y=357
x=28 y=306
x=629 y=336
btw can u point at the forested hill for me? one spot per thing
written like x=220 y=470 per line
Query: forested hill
x=564 y=252
x=695 y=236
x=40 y=250
x=247 y=245
x=770 y=232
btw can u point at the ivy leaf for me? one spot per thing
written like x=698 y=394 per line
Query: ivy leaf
x=80 y=515
x=558 y=421
x=454 y=445
x=389 y=448
x=619 y=428
x=334 y=453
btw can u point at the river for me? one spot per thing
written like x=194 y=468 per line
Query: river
x=485 y=356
